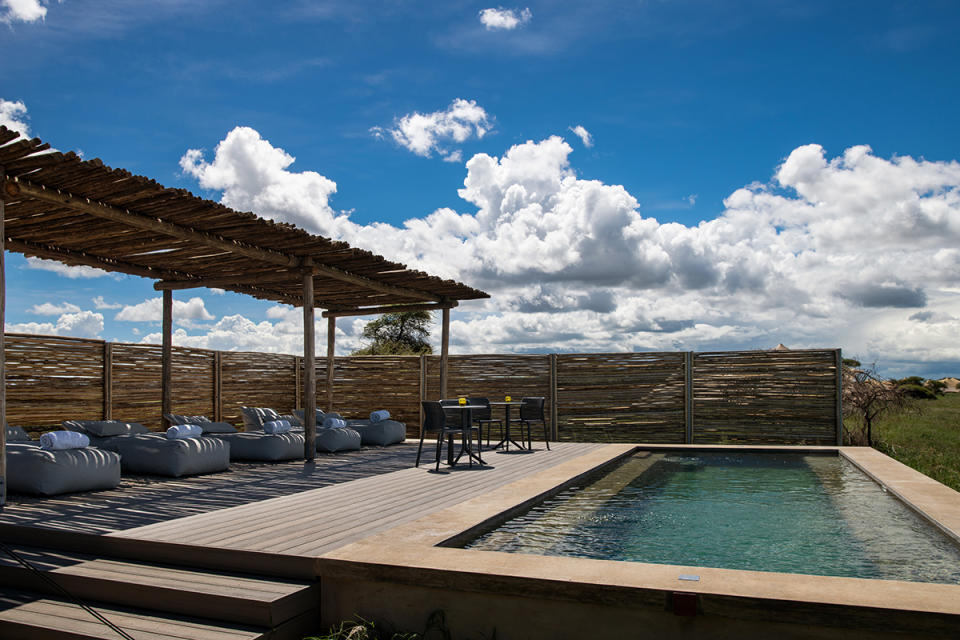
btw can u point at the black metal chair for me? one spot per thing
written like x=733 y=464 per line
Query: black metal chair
x=532 y=411
x=436 y=420
x=484 y=417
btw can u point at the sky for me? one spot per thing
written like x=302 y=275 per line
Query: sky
x=620 y=176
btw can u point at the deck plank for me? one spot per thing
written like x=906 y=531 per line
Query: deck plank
x=312 y=522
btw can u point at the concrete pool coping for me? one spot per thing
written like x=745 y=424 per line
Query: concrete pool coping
x=418 y=553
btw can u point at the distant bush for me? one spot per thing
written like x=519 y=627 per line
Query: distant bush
x=917 y=391
x=936 y=386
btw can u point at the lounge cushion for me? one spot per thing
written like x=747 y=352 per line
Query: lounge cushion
x=17 y=434
x=338 y=439
x=156 y=454
x=33 y=470
x=320 y=413
x=266 y=447
x=105 y=428
x=379 y=433
x=176 y=418
x=217 y=427
x=254 y=417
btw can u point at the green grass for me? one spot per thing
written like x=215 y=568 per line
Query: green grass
x=928 y=441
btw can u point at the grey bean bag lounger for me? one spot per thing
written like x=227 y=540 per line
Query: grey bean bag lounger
x=379 y=433
x=332 y=439
x=248 y=445
x=144 y=452
x=33 y=470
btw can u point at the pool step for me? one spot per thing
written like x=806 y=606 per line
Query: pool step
x=217 y=597
x=33 y=617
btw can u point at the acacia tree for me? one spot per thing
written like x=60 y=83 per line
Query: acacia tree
x=866 y=397
x=402 y=333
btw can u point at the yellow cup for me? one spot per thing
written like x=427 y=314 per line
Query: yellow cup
x=507 y=399
x=462 y=401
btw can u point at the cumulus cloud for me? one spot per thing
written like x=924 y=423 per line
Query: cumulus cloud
x=83 y=324
x=253 y=175
x=830 y=252
x=427 y=133
x=13 y=116
x=50 y=309
x=151 y=310
x=22 y=11
x=65 y=270
x=100 y=303
x=581 y=132
x=501 y=19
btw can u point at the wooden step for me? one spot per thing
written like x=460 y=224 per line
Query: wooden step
x=35 y=617
x=215 y=595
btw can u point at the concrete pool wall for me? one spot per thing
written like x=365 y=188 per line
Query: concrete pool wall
x=401 y=576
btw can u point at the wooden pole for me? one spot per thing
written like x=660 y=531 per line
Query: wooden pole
x=554 y=429
x=444 y=352
x=839 y=392
x=310 y=371
x=331 y=336
x=108 y=381
x=688 y=397
x=166 y=366
x=3 y=358
x=217 y=386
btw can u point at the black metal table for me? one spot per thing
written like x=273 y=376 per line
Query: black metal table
x=466 y=420
x=506 y=436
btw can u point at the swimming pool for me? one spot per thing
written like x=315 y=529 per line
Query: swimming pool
x=781 y=512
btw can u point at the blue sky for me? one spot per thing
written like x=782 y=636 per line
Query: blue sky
x=723 y=198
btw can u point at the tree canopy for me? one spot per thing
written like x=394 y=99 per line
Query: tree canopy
x=403 y=333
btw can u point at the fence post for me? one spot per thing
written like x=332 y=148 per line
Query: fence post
x=217 y=386
x=298 y=394
x=839 y=392
x=554 y=429
x=107 y=381
x=423 y=387
x=688 y=397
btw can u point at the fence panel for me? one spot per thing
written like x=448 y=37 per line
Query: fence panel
x=52 y=379
x=621 y=397
x=257 y=380
x=363 y=384
x=765 y=397
x=136 y=383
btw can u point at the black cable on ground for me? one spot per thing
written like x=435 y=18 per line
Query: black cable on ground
x=46 y=578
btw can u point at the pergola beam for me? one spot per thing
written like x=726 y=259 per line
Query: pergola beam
x=68 y=256
x=226 y=281
x=166 y=359
x=309 y=370
x=3 y=360
x=22 y=188
x=390 y=308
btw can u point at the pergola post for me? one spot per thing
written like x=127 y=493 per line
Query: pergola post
x=166 y=359
x=331 y=337
x=3 y=357
x=309 y=370
x=444 y=352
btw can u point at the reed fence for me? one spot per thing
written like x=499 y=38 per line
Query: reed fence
x=737 y=397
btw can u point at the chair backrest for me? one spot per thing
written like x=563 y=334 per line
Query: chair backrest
x=480 y=414
x=532 y=408
x=454 y=417
x=434 y=417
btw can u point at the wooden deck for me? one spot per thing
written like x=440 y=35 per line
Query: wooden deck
x=290 y=509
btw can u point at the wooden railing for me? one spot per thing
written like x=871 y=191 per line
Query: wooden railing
x=746 y=397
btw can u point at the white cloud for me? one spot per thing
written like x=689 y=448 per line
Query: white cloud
x=151 y=310
x=504 y=19
x=64 y=270
x=217 y=292
x=50 y=309
x=427 y=133
x=84 y=324
x=100 y=303
x=832 y=252
x=13 y=116
x=253 y=175
x=584 y=135
x=22 y=11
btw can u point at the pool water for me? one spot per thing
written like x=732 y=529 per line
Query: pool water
x=791 y=513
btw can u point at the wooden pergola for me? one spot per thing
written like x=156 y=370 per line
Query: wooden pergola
x=80 y=212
